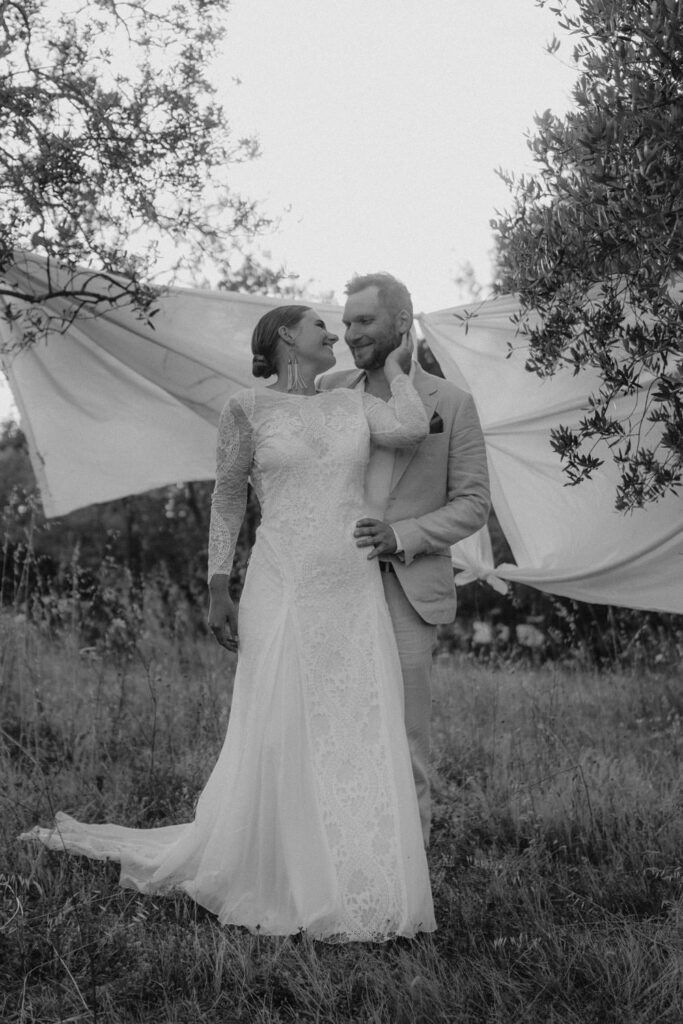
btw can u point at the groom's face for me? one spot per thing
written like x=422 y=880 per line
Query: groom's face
x=371 y=330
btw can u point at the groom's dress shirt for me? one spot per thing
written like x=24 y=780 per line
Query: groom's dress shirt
x=379 y=473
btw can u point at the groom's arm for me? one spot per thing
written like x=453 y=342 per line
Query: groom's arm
x=468 y=502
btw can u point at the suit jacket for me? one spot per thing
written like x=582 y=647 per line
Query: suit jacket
x=439 y=492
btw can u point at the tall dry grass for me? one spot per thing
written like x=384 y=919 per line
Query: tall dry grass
x=556 y=856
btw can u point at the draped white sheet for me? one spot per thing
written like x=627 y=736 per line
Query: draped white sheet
x=565 y=540
x=115 y=407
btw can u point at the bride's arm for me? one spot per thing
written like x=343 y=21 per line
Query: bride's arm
x=402 y=420
x=234 y=453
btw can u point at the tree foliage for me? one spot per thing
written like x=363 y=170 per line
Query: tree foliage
x=593 y=242
x=253 y=277
x=113 y=149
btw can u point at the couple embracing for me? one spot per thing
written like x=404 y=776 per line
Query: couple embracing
x=317 y=813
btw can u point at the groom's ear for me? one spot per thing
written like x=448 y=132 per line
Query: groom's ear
x=404 y=322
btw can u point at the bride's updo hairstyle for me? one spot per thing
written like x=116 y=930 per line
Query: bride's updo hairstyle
x=264 y=340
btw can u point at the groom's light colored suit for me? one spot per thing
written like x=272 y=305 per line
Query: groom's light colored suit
x=438 y=494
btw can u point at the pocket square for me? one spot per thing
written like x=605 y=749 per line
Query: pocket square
x=436 y=424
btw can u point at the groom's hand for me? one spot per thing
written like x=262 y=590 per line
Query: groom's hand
x=373 y=533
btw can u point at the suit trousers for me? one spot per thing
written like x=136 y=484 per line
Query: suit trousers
x=415 y=640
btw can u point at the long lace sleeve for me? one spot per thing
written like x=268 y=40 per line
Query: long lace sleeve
x=234 y=452
x=399 y=422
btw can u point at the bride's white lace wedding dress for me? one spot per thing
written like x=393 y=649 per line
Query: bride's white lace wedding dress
x=309 y=819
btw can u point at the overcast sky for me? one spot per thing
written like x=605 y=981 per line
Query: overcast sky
x=382 y=123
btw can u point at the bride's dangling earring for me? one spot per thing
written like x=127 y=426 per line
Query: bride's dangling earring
x=295 y=382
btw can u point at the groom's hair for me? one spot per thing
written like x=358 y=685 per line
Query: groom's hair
x=391 y=292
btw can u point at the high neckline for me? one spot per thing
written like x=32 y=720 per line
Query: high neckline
x=293 y=394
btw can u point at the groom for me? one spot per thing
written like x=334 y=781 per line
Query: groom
x=420 y=500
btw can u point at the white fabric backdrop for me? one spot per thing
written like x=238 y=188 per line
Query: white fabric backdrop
x=565 y=540
x=113 y=407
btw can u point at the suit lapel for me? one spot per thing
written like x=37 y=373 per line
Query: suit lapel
x=428 y=392
x=350 y=379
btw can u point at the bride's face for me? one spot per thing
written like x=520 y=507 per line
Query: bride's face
x=313 y=342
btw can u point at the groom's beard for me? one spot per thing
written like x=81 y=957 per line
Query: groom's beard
x=373 y=355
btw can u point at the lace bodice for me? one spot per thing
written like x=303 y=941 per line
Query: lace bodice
x=306 y=457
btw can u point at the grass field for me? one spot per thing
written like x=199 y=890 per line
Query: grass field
x=556 y=860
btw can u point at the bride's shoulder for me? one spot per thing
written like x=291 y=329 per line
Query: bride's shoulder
x=244 y=397
x=343 y=400
x=343 y=392
x=239 y=403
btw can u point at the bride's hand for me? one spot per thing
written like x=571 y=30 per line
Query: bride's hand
x=222 y=618
x=399 y=359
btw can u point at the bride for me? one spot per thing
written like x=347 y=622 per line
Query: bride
x=309 y=820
